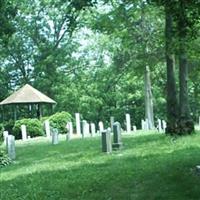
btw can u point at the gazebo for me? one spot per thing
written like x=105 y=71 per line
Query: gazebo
x=27 y=95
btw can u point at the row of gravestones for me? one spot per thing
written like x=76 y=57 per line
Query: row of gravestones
x=85 y=129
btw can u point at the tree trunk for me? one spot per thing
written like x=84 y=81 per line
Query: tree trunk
x=172 y=103
x=186 y=125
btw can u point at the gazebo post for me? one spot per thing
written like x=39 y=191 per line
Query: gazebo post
x=39 y=111
x=15 y=113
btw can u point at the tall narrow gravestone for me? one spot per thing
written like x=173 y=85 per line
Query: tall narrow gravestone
x=85 y=129
x=47 y=128
x=117 y=143
x=54 y=134
x=106 y=141
x=10 y=144
x=93 y=130
x=159 y=126
x=101 y=127
x=24 y=133
x=164 y=125
x=5 y=135
x=69 y=127
x=78 y=124
x=148 y=100
x=128 y=123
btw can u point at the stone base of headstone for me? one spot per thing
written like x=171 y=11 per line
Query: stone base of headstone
x=106 y=141
x=116 y=146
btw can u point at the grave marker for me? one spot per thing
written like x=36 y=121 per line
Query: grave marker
x=93 y=130
x=69 y=127
x=24 y=133
x=106 y=141
x=5 y=135
x=10 y=145
x=47 y=128
x=117 y=136
x=54 y=134
x=101 y=127
x=78 y=124
x=128 y=123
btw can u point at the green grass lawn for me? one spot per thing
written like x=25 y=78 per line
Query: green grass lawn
x=149 y=167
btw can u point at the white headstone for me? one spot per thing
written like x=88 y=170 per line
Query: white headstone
x=54 y=134
x=128 y=123
x=93 y=130
x=143 y=124
x=24 y=133
x=160 y=126
x=86 y=129
x=5 y=135
x=164 y=125
x=47 y=128
x=10 y=144
x=134 y=128
x=101 y=127
x=69 y=127
x=78 y=124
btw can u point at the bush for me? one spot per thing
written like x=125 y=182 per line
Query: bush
x=33 y=127
x=59 y=121
x=4 y=159
x=8 y=126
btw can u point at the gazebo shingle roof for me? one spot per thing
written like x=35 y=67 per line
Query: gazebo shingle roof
x=25 y=95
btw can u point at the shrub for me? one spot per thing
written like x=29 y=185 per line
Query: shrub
x=8 y=126
x=4 y=159
x=59 y=121
x=33 y=126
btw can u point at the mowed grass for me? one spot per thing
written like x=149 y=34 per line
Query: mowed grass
x=149 y=167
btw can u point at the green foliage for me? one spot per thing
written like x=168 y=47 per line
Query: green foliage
x=59 y=121
x=4 y=159
x=8 y=126
x=33 y=127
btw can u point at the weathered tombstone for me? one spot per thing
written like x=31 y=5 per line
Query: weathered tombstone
x=112 y=120
x=69 y=127
x=159 y=126
x=47 y=128
x=24 y=133
x=5 y=135
x=54 y=134
x=78 y=124
x=148 y=101
x=10 y=145
x=143 y=124
x=93 y=130
x=128 y=123
x=164 y=125
x=117 y=143
x=101 y=127
x=106 y=141
x=83 y=128
x=134 y=128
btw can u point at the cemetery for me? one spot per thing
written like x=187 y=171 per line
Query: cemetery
x=99 y=100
